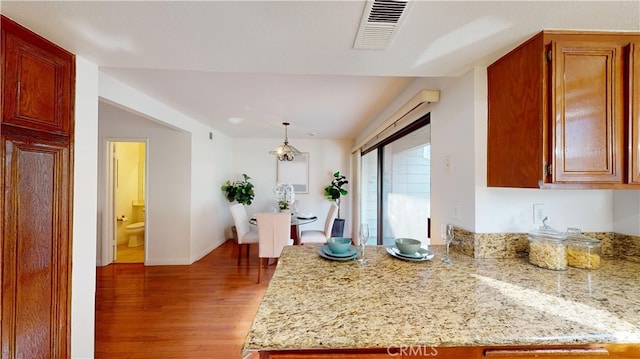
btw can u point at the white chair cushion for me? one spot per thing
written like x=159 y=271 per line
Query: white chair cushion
x=320 y=236
x=250 y=237
x=245 y=233
x=313 y=236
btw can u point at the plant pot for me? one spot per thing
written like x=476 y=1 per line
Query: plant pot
x=338 y=228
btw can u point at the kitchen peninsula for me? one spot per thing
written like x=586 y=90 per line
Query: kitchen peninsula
x=315 y=307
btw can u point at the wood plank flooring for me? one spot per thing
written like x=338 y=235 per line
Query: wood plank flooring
x=203 y=310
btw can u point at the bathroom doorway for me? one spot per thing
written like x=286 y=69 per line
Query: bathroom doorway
x=127 y=197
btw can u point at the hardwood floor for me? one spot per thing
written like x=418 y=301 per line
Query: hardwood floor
x=199 y=311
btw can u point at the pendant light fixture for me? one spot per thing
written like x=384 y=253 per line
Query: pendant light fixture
x=285 y=152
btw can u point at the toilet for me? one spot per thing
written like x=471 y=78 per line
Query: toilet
x=135 y=232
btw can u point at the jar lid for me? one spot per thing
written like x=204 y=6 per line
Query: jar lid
x=575 y=236
x=545 y=232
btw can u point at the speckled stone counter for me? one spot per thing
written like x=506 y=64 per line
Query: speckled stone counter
x=315 y=303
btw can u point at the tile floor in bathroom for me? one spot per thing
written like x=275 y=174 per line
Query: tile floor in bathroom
x=128 y=254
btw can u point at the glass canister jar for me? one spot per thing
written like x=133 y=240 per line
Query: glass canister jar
x=547 y=248
x=582 y=251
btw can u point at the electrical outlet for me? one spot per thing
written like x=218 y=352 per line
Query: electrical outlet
x=539 y=213
x=456 y=211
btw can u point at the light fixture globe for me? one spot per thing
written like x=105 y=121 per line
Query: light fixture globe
x=285 y=152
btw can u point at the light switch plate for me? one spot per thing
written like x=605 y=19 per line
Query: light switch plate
x=456 y=211
x=539 y=213
x=447 y=164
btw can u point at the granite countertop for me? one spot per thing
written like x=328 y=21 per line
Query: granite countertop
x=315 y=303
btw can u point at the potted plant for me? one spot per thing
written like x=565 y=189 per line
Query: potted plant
x=333 y=192
x=283 y=205
x=240 y=191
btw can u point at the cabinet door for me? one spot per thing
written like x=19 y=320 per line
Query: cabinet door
x=588 y=110
x=38 y=82
x=35 y=249
x=516 y=129
x=634 y=110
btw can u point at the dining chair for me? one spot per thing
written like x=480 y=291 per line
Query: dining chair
x=245 y=234
x=274 y=232
x=320 y=236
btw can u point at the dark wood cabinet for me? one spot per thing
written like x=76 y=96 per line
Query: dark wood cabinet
x=37 y=91
x=36 y=131
x=634 y=112
x=588 y=111
x=584 y=351
x=558 y=112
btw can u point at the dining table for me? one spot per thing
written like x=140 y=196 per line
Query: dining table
x=296 y=222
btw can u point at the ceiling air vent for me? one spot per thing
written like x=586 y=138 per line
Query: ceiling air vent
x=380 y=22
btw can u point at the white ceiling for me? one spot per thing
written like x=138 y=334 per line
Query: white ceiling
x=272 y=61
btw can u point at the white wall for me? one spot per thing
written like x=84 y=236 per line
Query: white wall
x=208 y=207
x=83 y=273
x=511 y=210
x=325 y=158
x=452 y=136
x=452 y=141
x=626 y=212
x=168 y=177
x=209 y=163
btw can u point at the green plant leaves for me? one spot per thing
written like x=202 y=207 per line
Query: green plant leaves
x=240 y=191
x=334 y=191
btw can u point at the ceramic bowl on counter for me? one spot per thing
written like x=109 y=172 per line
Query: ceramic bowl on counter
x=339 y=245
x=408 y=246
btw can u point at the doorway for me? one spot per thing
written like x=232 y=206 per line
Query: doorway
x=126 y=201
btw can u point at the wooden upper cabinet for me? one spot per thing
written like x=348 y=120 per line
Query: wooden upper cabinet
x=38 y=84
x=558 y=112
x=634 y=112
x=588 y=112
x=517 y=133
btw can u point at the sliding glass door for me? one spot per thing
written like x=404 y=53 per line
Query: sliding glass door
x=396 y=185
x=369 y=197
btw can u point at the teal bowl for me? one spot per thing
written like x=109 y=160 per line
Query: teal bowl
x=339 y=245
x=408 y=245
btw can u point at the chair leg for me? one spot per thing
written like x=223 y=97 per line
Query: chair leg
x=239 y=252
x=259 y=269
